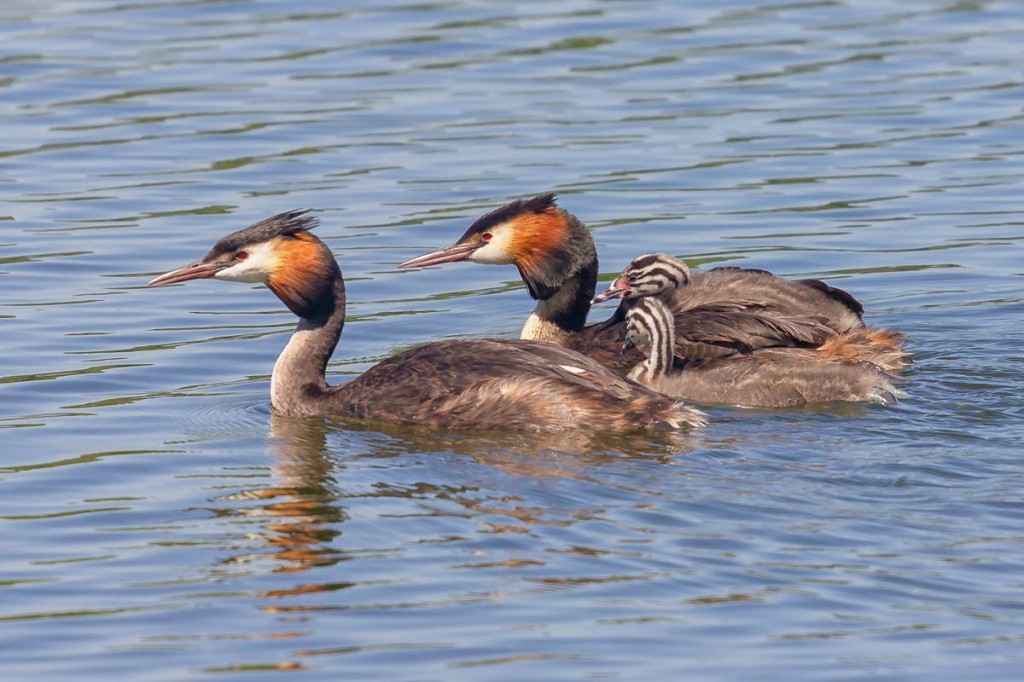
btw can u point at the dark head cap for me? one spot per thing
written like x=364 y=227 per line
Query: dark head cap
x=285 y=224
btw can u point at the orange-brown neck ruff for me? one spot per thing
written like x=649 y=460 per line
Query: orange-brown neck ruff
x=547 y=251
x=303 y=275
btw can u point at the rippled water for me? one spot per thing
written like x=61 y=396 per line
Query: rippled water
x=159 y=523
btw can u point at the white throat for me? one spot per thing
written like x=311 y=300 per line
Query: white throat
x=291 y=365
x=540 y=325
x=539 y=328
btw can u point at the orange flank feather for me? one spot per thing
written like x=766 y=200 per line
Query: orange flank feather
x=880 y=347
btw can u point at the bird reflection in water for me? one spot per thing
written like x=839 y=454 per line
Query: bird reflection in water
x=302 y=504
x=304 y=508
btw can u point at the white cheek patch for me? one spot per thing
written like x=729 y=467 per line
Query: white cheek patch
x=498 y=251
x=255 y=269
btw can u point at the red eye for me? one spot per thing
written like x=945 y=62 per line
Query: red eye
x=487 y=236
x=241 y=255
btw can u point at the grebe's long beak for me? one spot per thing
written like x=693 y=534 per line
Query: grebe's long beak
x=448 y=254
x=617 y=289
x=201 y=269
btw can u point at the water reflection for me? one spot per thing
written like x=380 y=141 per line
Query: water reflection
x=300 y=508
x=303 y=511
x=319 y=465
x=567 y=453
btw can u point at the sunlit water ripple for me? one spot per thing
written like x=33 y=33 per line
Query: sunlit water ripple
x=160 y=523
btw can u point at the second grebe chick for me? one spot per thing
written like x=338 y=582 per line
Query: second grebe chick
x=463 y=384
x=769 y=377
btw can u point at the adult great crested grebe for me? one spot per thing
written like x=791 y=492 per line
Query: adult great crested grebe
x=719 y=312
x=470 y=383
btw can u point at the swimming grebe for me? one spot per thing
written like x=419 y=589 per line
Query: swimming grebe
x=719 y=312
x=470 y=383
x=767 y=377
x=668 y=278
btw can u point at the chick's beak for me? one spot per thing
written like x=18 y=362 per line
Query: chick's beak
x=201 y=269
x=628 y=344
x=616 y=289
x=449 y=254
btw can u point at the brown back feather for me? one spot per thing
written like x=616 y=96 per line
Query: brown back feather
x=505 y=384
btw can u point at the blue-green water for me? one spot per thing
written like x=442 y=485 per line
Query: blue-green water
x=159 y=524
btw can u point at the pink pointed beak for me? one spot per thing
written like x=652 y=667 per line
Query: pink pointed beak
x=448 y=254
x=617 y=289
x=198 y=270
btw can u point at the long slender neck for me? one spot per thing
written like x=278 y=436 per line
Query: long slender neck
x=656 y=319
x=564 y=311
x=299 y=378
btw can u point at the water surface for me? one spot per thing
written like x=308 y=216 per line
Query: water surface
x=158 y=521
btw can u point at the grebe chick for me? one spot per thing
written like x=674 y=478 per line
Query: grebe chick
x=724 y=310
x=743 y=327
x=769 y=377
x=471 y=383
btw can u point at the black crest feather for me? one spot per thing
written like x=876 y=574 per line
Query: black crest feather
x=281 y=225
x=537 y=204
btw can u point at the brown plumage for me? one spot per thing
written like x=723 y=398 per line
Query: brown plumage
x=719 y=312
x=708 y=327
x=767 y=377
x=472 y=383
